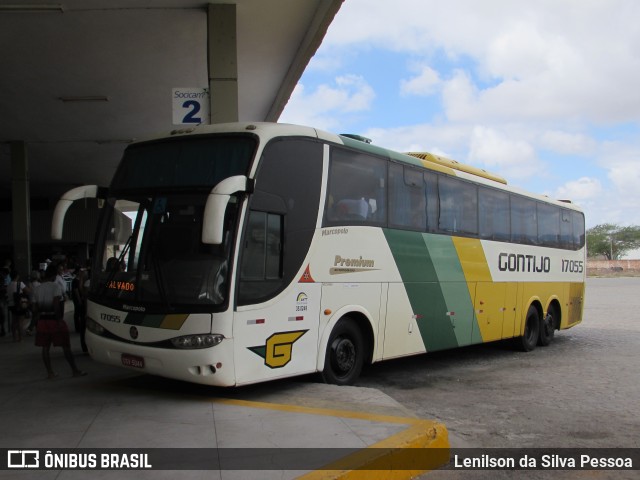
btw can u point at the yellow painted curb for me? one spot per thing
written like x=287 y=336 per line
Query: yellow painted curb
x=400 y=456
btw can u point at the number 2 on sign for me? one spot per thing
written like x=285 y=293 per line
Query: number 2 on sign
x=194 y=107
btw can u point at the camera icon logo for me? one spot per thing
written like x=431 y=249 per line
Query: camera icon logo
x=23 y=459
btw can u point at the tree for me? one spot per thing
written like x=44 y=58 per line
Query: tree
x=612 y=241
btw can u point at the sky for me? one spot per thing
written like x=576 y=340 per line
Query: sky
x=545 y=93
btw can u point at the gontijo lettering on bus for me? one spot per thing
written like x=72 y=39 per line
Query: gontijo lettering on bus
x=511 y=262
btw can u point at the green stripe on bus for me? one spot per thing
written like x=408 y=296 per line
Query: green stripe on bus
x=423 y=289
x=454 y=288
x=436 y=287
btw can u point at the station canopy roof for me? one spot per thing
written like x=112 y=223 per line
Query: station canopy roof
x=80 y=79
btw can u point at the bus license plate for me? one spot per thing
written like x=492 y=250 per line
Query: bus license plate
x=132 y=361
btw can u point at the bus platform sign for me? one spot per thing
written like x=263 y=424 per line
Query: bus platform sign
x=190 y=106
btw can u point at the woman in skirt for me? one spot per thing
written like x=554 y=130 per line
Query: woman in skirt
x=51 y=328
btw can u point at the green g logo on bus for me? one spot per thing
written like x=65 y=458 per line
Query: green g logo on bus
x=278 y=349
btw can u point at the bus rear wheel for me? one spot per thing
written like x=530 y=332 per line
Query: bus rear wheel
x=548 y=327
x=345 y=354
x=529 y=339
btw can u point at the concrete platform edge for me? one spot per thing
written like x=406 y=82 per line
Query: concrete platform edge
x=405 y=448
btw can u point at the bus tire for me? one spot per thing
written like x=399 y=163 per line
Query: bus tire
x=548 y=327
x=345 y=354
x=529 y=338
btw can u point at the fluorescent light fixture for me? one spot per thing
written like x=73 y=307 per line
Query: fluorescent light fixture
x=31 y=8
x=84 y=98
x=115 y=141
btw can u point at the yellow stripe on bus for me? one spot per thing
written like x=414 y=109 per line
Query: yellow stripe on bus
x=174 y=322
x=473 y=259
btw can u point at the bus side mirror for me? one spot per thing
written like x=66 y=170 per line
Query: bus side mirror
x=214 y=209
x=78 y=193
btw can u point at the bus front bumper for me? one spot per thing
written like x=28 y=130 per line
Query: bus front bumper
x=208 y=366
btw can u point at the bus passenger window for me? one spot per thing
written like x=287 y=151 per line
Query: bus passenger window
x=524 y=223
x=578 y=230
x=458 y=206
x=407 y=201
x=357 y=189
x=548 y=225
x=494 y=214
x=566 y=230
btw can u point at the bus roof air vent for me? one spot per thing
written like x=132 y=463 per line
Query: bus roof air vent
x=360 y=138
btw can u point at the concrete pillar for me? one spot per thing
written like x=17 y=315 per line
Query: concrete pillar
x=223 y=63
x=21 y=212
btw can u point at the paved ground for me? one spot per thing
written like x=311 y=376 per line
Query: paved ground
x=115 y=408
x=582 y=391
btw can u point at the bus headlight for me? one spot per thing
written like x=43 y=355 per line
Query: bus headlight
x=197 y=341
x=95 y=327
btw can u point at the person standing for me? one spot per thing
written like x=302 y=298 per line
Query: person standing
x=60 y=279
x=79 y=297
x=51 y=329
x=34 y=282
x=18 y=296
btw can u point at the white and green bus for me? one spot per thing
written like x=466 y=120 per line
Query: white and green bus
x=239 y=253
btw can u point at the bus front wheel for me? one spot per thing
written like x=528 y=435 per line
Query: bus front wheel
x=529 y=339
x=345 y=354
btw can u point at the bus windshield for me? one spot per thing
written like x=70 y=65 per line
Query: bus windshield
x=149 y=254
